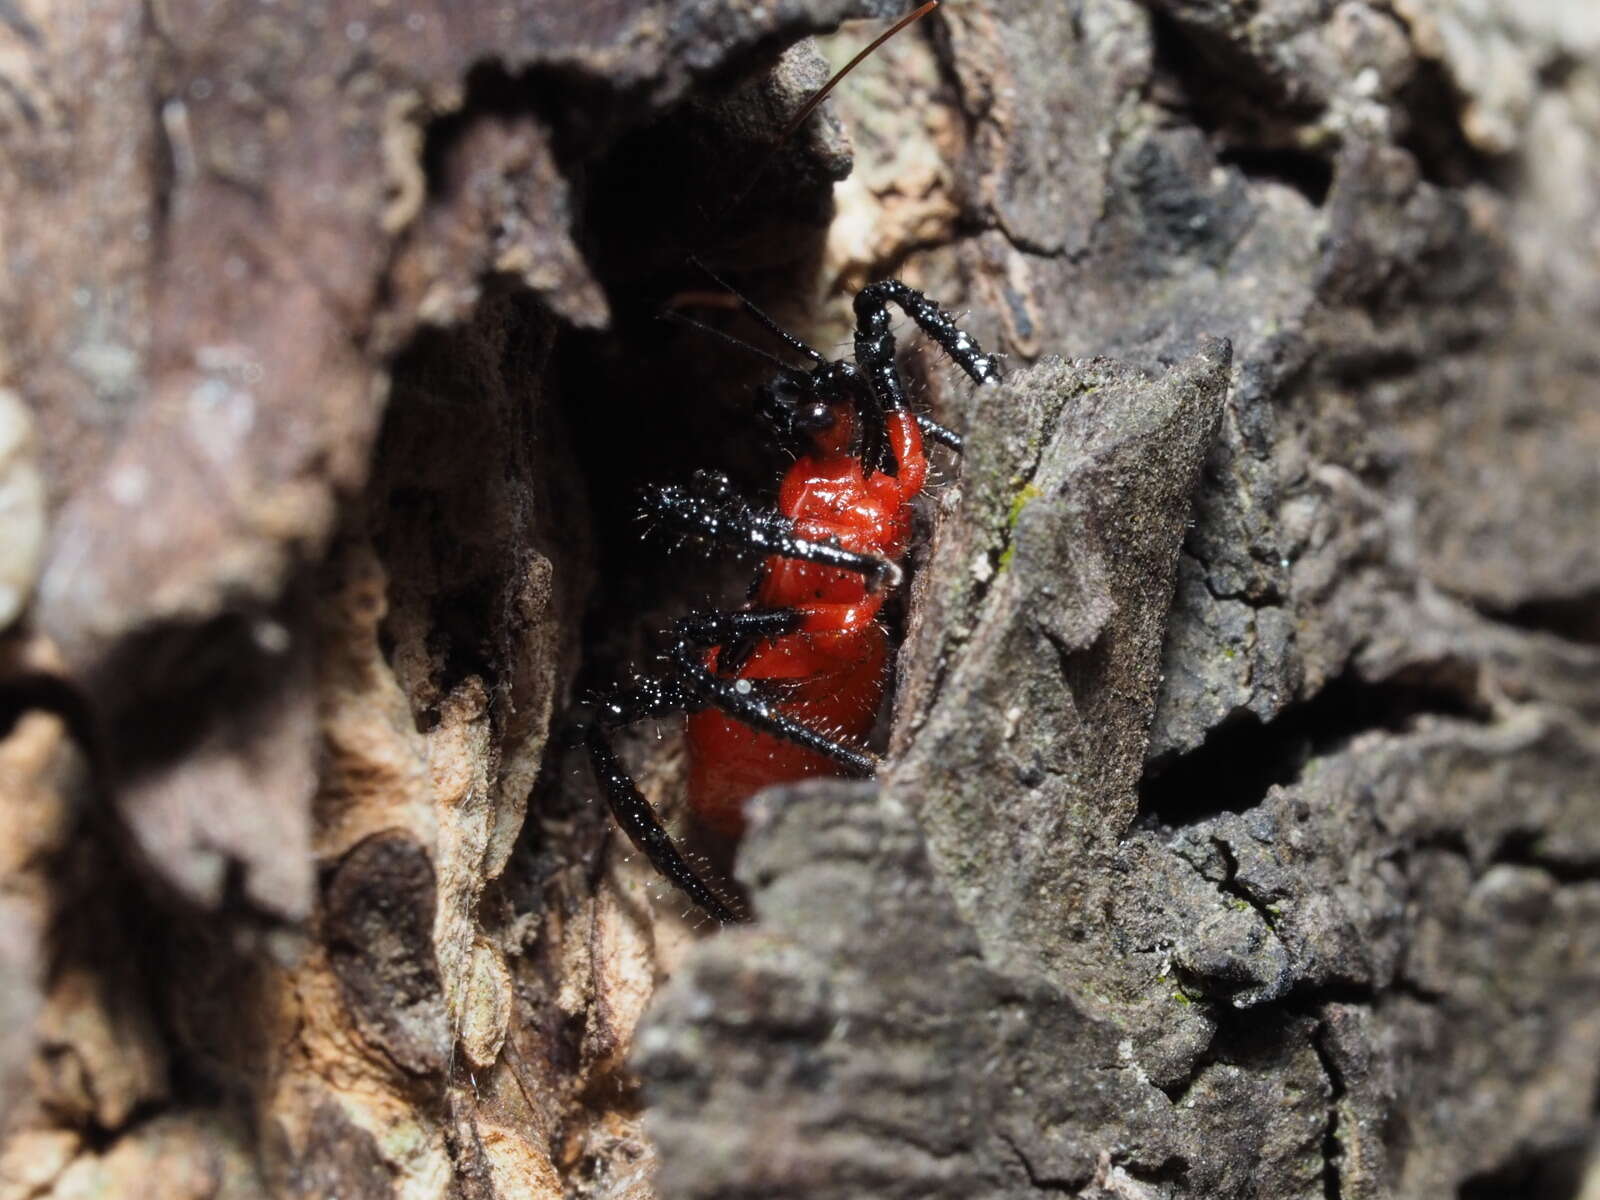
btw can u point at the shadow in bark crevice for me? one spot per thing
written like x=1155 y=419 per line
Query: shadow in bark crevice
x=1242 y=758
x=1555 y=1173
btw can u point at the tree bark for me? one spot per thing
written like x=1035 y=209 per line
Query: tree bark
x=1241 y=829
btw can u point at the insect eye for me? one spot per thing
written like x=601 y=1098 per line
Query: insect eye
x=815 y=417
x=783 y=401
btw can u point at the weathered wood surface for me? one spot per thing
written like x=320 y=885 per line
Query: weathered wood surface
x=1242 y=836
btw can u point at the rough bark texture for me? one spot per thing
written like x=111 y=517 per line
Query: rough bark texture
x=1241 y=835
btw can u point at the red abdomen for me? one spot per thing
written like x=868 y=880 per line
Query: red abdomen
x=729 y=761
x=831 y=674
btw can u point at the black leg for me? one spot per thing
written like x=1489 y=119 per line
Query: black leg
x=650 y=696
x=665 y=695
x=739 y=697
x=875 y=341
x=644 y=829
x=936 y=432
x=711 y=509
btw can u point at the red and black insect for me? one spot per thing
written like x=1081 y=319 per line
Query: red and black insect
x=788 y=686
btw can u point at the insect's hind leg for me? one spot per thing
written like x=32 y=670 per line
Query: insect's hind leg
x=694 y=634
x=644 y=829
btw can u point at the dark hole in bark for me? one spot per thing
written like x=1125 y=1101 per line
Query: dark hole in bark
x=1250 y=117
x=648 y=401
x=1551 y=1174
x=1576 y=618
x=1433 y=105
x=1242 y=758
x=1306 y=173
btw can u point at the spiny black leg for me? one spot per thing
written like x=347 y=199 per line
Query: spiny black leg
x=936 y=432
x=738 y=697
x=649 y=696
x=711 y=509
x=875 y=349
x=701 y=631
x=872 y=414
x=875 y=341
x=644 y=829
x=738 y=633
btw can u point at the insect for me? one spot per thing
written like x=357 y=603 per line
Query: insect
x=790 y=685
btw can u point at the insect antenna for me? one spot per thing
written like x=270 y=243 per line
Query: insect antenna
x=771 y=326
x=810 y=106
x=789 y=130
x=683 y=318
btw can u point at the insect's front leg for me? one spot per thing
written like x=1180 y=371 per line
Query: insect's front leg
x=875 y=340
x=711 y=509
